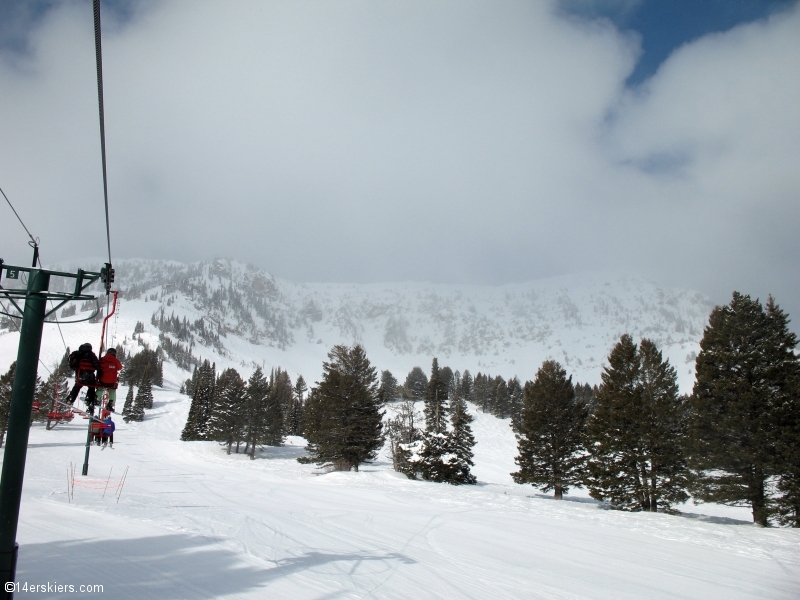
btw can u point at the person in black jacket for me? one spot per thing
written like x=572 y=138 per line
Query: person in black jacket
x=85 y=363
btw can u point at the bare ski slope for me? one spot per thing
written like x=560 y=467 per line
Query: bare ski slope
x=192 y=522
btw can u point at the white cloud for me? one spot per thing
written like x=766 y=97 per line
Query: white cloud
x=409 y=140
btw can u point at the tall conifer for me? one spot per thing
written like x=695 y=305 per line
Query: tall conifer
x=636 y=432
x=202 y=400
x=298 y=395
x=128 y=406
x=258 y=389
x=344 y=417
x=433 y=457
x=227 y=421
x=460 y=443
x=136 y=412
x=742 y=404
x=550 y=433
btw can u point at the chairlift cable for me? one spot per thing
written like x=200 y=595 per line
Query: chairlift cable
x=33 y=239
x=99 y=60
x=35 y=242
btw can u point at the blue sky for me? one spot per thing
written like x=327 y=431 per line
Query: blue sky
x=667 y=24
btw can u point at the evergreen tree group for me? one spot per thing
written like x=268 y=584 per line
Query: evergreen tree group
x=146 y=363
x=228 y=410
x=443 y=451
x=496 y=396
x=625 y=440
x=229 y=417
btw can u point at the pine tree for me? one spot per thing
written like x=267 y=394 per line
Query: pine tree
x=204 y=379
x=515 y=400
x=480 y=392
x=435 y=441
x=258 y=389
x=743 y=408
x=128 y=406
x=466 y=385
x=585 y=393
x=416 y=383
x=136 y=412
x=388 y=388
x=227 y=421
x=636 y=434
x=146 y=361
x=146 y=390
x=460 y=442
x=785 y=376
x=344 y=423
x=436 y=400
x=278 y=407
x=550 y=433
x=434 y=456
x=733 y=424
x=502 y=404
x=296 y=421
x=663 y=430
x=6 y=384
x=454 y=389
x=613 y=439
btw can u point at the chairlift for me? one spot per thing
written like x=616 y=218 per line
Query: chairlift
x=64 y=412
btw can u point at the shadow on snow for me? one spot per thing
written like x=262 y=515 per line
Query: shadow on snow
x=166 y=567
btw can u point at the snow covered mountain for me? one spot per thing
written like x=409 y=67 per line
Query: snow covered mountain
x=239 y=315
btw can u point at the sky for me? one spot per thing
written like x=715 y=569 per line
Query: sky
x=456 y=142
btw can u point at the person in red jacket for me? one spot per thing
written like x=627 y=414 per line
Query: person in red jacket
x=108 y=376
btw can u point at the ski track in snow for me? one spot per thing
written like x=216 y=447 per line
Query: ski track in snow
x=193 y=522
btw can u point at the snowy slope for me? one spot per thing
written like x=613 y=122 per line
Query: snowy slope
x=507 y=330
x=192 y=522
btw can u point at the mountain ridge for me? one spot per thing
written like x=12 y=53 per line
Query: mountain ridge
x=239 y=314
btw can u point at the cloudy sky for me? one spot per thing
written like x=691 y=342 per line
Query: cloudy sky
x=360 y=141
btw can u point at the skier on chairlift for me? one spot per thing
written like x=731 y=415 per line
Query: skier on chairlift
x=85 y=363
x=108 y=376
x=108 y=430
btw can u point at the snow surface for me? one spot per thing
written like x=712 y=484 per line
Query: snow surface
x=192 y=522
